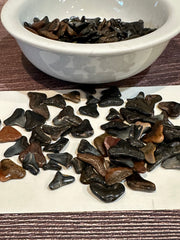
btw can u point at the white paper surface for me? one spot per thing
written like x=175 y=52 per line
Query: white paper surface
x=32 y=194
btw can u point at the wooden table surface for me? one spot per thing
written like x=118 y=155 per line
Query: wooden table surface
x=17 y=73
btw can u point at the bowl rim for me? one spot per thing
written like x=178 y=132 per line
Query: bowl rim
x=163 y=34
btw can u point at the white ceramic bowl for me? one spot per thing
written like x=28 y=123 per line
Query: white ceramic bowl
x=93 y=63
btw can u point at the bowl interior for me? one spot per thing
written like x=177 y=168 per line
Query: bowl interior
x=153 y=12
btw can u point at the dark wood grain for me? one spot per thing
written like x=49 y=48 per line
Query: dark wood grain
x=17 y=73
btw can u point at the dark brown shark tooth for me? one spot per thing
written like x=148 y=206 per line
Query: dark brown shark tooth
x=136 y=182
x=96 y=161
x=171 y=108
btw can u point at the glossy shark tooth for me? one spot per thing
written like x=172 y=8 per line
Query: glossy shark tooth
x=60 y=180
x=10 y=170
x=136 y=182
x=29 y=163
x=89 y=110
x=57 y=101
x=20 y=145
x=61 y=158
x=86 y=147
x=17 y=118
x=84 y=130
x=57 y=146
x=73 y=96
x=107 y=193
x=33 y=120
